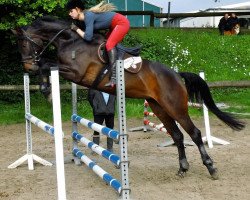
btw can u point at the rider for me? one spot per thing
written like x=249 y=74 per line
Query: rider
x=101 y=17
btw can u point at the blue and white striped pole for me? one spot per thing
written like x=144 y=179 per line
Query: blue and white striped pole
x=41 y=124
x=96 y=148
x=96 y=127
x=98 y=170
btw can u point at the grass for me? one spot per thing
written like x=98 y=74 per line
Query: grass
x=237 y=99
x=222 y=58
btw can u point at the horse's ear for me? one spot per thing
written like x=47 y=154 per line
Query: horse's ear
x=17 y=31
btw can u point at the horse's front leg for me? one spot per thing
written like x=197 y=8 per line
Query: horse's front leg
x=44 y=73
x=45 y=86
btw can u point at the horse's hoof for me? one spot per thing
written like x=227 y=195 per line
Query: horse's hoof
x=215 y=175
x=181 y=173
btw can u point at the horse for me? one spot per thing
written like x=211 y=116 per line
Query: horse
x=234 y=31
x=166 y=91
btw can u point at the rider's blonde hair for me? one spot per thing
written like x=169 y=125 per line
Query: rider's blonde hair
x=103 y=7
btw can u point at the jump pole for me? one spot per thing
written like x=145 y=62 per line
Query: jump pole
x=122 y=189
x=56 y=131
x=148 y=126
x=208 y=138
x=120 y=92
x=58 y=134
x=30 y=157
x=144 y=128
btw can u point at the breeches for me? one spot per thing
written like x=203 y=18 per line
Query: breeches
x=119 y=28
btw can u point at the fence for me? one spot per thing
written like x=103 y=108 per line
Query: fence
x=217 y=84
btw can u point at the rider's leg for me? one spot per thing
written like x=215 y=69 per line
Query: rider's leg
x=119 y=28
x=112 y=54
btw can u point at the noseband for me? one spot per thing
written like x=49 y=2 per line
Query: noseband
x=35 y=55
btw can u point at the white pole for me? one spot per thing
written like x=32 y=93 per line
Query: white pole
x=58 y=134
x=206 y=119
x=143 y=16
x=209 y=139
x=126 y=5
x=28 y=124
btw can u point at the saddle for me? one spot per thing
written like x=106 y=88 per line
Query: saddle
x=132 y=60
x=130 y=55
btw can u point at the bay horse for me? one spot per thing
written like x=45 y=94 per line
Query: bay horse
x=234 y=31
x=162 y=87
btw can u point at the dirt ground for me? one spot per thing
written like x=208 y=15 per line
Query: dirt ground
x=152 y=171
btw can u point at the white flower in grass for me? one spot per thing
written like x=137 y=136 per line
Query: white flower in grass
x=185 y=52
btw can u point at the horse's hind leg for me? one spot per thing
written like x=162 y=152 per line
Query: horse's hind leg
x=183 y=118
x=195 y=134
x=175 y=133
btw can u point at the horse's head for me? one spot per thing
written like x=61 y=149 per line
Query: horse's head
x=30 y=46
x=30 y=39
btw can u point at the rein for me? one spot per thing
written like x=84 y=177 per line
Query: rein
x=35 y=55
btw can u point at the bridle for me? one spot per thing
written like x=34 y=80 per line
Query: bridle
x=36 y=56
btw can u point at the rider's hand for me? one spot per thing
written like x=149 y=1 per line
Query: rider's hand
x=74 y=27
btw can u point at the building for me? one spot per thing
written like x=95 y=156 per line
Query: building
x=138 y=5
x=213 y=21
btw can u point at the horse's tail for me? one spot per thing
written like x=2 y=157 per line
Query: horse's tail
x=198 y=90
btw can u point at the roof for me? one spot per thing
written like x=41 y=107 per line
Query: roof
x=154 y=4
x=245 y=5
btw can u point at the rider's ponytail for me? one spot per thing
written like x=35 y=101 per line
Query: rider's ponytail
x=103 y=7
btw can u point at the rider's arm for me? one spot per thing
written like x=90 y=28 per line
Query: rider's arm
x=80 y=32
x=89 y=23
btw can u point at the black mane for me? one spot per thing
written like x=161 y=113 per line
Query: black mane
x=51 y=25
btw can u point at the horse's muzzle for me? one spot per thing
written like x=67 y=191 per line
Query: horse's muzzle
x=31 y=67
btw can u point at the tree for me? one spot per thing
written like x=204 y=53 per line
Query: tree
x=16 y=13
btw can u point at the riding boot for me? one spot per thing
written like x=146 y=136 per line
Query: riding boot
x=112 y=54
x=110 y=144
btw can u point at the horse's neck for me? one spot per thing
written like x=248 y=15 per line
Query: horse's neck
x=58 y=37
